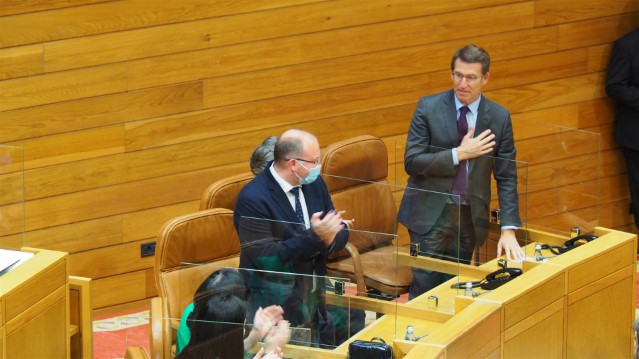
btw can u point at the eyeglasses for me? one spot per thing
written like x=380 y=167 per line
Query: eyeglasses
x=316 y=162
x=470 y=79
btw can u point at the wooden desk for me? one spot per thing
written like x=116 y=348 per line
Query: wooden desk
x=34 y=302
x=600 y=295
x=579 y=304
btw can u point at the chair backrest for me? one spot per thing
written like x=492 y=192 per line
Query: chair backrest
x=204 y=237
x=355 y=171
x=223 y=193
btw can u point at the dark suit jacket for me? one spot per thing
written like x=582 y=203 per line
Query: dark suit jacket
x=622 y=85
x=271 y=240
x=428 y=160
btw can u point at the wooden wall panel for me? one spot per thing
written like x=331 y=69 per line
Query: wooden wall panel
x=109 y=261
x=595 y=32
x=550 y=12
x=21 y=61
x=129 y=197
x=46 y=26
x=100 y=111
x=249 y=27
x=11 y=7
x=598 y=57
x=62 y=86
x=72 y=146
x=128 y=109
x=291 y=50
x=551 y=93
x=596 y=112
x=129 y=287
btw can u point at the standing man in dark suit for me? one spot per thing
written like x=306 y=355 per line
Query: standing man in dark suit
x=456 y=139
x=287 y=223
x=622 y=85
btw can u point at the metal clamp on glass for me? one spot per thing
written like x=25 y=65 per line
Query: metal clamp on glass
x=468 y=289
x=494 y=215
x=575 y=231
x=433 y=302
x=411 y=336
x=414 y=249
x=339 y=287
x=538 y=255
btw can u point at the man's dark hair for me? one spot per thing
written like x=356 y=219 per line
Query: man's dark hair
x=472 y=54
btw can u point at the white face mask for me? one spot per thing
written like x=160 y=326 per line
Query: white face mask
x=313 y=173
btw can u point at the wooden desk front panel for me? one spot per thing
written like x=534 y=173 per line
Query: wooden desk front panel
x=600 y=265
x=599 y=325
x=542 y=340
x=45 y=336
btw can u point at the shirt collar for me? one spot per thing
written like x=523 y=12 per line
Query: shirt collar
x=473 y=106
x=286 y=187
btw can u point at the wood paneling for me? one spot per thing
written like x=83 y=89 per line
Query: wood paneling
x=100 y=111
x=127 y=110
x=108 y=17
x=10 y=7
x=551 y=93
x=292 y=50
x=22 y=61
x=109 y=261
x=117 y=289
x=72 y=146
x=255 y=26
x=595 y=32
x=550 y=12
x=62 y=86
x=128 y=197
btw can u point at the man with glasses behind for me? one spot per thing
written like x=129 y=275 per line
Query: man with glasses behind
x=287 y=223
x=455 y=140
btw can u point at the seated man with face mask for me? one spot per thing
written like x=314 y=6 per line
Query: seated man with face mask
x=286 y=222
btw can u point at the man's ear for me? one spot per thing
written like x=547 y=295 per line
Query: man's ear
x=485 y=78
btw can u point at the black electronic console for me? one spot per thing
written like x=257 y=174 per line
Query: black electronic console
x=495 y=279
x=570 y=244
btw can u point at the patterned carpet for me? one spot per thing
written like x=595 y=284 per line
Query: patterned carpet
x=113 y=334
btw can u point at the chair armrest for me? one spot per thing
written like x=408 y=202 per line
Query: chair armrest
x=136 y=353
x=357 y=268
x=160 y=329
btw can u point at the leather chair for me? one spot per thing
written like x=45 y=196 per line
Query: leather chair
x=204 y=237
x=368 y=259
x=223 y=193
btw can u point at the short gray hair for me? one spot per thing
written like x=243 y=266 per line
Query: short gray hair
x=262 y=155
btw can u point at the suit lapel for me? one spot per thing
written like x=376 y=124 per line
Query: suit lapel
x=279 y=197
x=449 y=117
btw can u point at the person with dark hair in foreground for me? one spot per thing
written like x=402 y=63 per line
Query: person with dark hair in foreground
x=215 y=326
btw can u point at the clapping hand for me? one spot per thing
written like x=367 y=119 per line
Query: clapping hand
x=266 y=318
x=278 y=336
x=275 y=354
x=327 y=228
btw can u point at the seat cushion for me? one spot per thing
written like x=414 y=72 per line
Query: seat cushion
x=381 y=271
